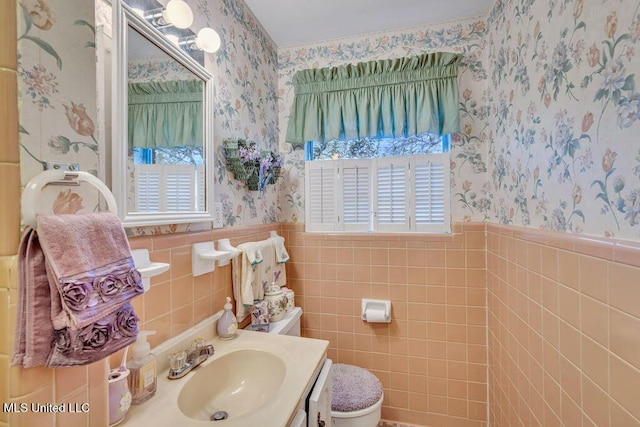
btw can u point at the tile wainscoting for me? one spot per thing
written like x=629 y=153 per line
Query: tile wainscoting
x=560 y=313
x=564 y=329
x=431 y=358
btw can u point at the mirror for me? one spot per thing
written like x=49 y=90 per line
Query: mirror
x=162 y=149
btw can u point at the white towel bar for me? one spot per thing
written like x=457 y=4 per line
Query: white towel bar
x=33 y=189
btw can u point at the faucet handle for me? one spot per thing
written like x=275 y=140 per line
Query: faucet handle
x=198 y=343
x=209 y=350
x=177 y=360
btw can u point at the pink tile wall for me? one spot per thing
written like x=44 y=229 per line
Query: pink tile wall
x=564 y=329
x=563 y=321
x=431 y=358
x=177 y=300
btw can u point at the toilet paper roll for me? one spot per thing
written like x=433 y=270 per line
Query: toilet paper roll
x=376 y=316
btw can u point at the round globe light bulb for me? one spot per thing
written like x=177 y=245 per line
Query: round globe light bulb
x=178 y=13
x=208 y=40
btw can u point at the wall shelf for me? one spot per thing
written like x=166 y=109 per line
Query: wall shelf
x=146 y=267
x=204 y=256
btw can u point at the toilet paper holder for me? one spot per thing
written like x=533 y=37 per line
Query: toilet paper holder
x=376 y=311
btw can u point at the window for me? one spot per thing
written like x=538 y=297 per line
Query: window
x=371 y=184
x=381 y=193
x=177 y=171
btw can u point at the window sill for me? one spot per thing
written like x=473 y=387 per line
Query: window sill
x=368 y=235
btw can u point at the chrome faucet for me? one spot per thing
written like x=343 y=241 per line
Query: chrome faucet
x=183 y=362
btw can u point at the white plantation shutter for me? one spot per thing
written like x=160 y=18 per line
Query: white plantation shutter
x=176 y=181
x=201 y=188
x=179 y=188
x=430 y=183
x=147 y=182
x=391 y=194
x=321 y=179
x=355 y=184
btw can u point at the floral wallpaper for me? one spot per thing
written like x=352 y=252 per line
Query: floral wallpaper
x=548 y=102
x=57 y=85
x=245 y=103
x=471 y=198
x=58 y=94
x=159 y=69
x=562 y=88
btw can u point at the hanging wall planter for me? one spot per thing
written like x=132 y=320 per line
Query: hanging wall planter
x=256 y=167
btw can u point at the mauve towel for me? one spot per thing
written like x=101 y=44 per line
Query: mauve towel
x=79 y=268
x=90 y=264
x=34 y=330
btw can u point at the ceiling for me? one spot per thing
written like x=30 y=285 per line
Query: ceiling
x=295 y=22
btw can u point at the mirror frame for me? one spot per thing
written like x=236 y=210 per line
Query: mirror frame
x=123 y=17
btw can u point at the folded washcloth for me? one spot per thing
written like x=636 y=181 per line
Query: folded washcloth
x=253 y=252
x=282 y=255
x=76 y=278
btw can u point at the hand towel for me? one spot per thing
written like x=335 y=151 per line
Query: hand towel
x=76 y=277
x=282 y=255
x=81 y=346
x=34 y=330
x=251 y=280
x=89 y=262
x=253 y=252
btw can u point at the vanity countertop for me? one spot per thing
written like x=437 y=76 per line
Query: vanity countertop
x=302 y=358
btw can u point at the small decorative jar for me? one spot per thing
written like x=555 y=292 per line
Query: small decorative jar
x=290 y=299
x=277 y=301
x=260 y=316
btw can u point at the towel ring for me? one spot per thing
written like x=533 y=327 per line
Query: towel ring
x=59 y=177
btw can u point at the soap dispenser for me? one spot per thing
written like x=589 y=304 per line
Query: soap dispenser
x=143 y=380
x=227 y=324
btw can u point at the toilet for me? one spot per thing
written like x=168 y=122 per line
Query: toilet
x=357 y=394
x=356 y=397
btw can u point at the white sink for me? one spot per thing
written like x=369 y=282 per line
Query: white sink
x=233 y=385
x=257 y=378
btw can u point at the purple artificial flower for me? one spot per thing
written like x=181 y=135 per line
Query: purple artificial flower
x=62 y=340
x=94 y=337
x=134 y=280
x=108 y=286
x=76 y=294
x=126 y=323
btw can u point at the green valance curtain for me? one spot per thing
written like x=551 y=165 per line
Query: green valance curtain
x=385 y=98
x=166 y=114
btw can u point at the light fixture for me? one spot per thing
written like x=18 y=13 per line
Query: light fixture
x=178 y=13
x=208 y=40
